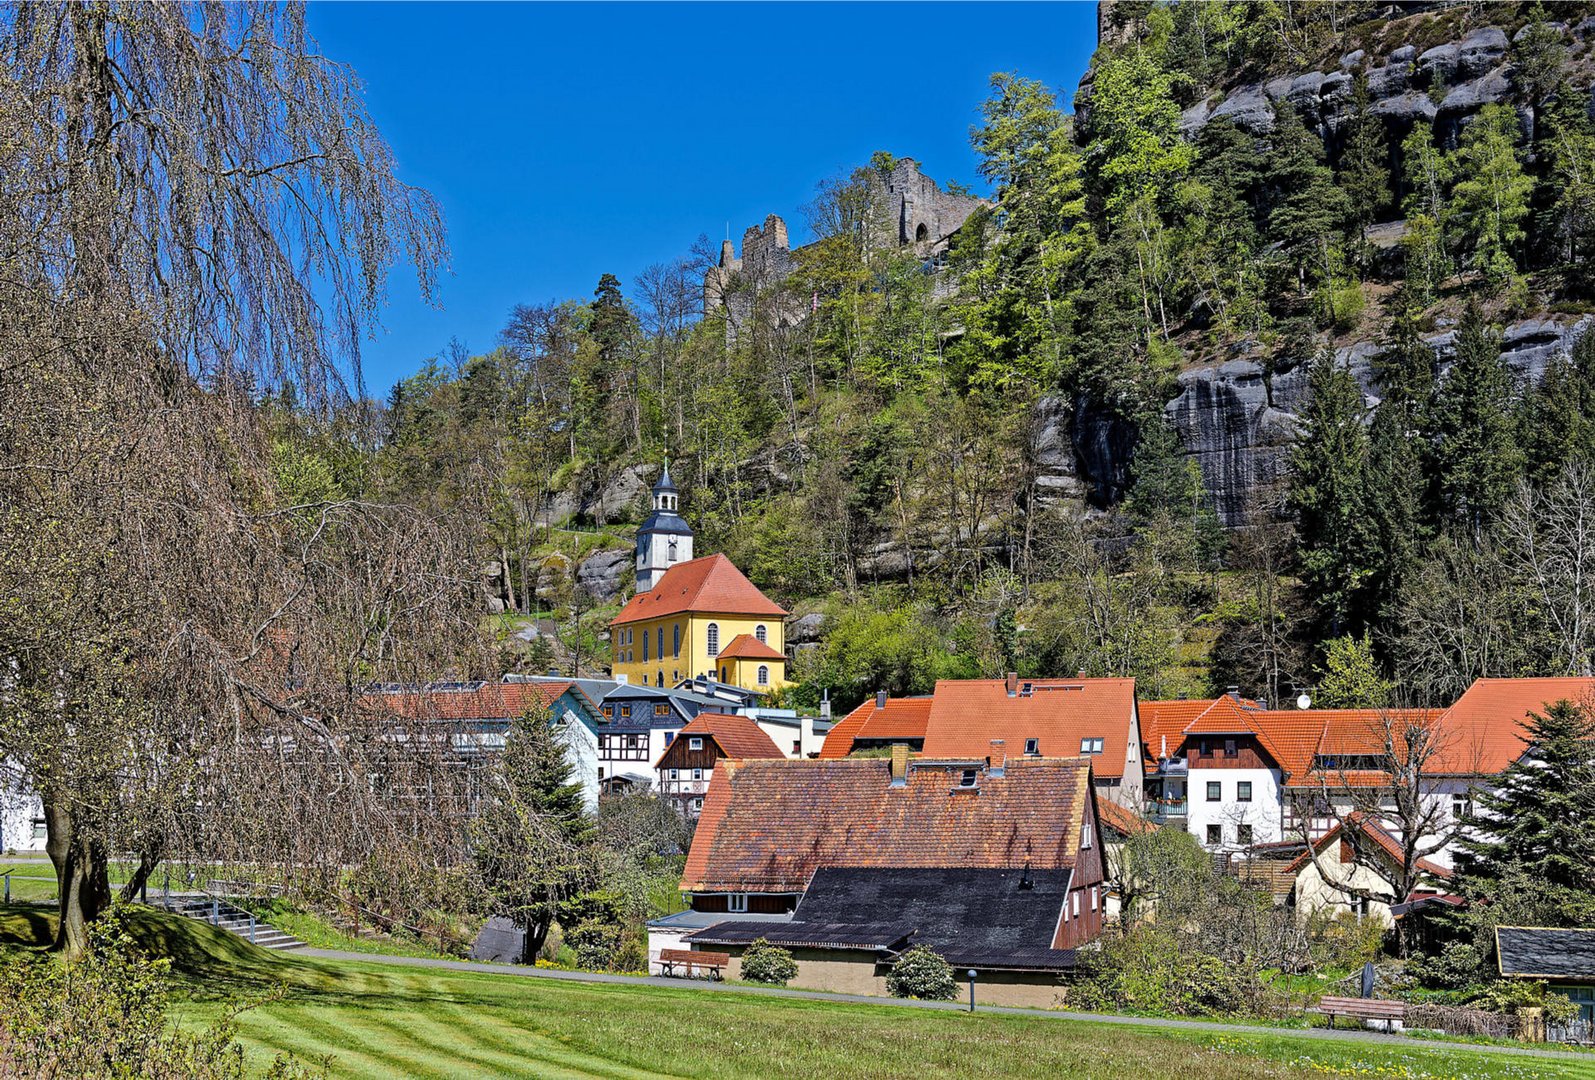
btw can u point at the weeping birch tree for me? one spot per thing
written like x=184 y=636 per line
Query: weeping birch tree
x=196 y=210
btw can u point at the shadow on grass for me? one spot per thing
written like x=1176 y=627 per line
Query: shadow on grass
x=26 y=928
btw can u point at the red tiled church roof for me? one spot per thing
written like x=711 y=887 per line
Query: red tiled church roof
x=737 y=736
x=967 y=714
x=710 y=584
x=748 y=647
x=903 y=718
x=766 y=826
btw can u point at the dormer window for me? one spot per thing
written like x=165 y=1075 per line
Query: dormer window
x=1033 y=746
x=967 y=779
x=1090 y=746
x=694 y=743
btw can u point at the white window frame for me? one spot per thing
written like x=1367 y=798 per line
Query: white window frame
x=1085 y=836
x=760 y=632
x=694 y=742
x=737 y=901
x=1033 y=746
x=764 y=675
x=711 y=639
x=1076 y=903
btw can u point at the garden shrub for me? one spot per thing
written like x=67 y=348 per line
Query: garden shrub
x=922 y=973
x=1458 y=965
x=1152 y=970
x=1340 y=940
x=766 y=963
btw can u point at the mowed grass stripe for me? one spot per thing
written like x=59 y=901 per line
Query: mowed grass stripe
x=506 y=1030
x=345 y=1034
x=533 y=1049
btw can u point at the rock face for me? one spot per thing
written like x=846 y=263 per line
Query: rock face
x=1469 y=73
x=603 y=572
x=1080 y=450
x=1239 y=423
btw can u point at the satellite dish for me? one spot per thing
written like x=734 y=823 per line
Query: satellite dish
x=1303 y=702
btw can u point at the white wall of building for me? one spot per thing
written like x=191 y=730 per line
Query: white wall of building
x=1229 y=812
x=21 y=817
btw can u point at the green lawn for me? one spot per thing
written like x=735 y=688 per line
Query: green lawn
x=376 y=1020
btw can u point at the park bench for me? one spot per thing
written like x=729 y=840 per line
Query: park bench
x=1390 y=1013
x=690 y=962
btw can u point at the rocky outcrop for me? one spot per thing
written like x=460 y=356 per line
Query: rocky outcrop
x=1470 y=73
x=603 y=573
x=1239 y=422
x=1080 y=450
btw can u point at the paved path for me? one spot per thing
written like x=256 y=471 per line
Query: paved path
x=1339 y=1035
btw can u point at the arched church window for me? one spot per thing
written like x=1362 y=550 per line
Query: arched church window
x=660 y=651
x=764 y=675
x=672 y=549
x=712 y=636
x=645 y=646
x=760 y=633
x=675 y=641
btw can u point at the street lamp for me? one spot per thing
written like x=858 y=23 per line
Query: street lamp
x=971 y=989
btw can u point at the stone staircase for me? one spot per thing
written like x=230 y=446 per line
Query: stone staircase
x=234 y=920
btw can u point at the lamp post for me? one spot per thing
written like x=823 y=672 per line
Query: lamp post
x=971 y=989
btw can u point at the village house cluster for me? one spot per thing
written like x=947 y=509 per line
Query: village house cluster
x=983 y=819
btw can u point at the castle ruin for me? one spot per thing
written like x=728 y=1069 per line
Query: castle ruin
x=914 y=213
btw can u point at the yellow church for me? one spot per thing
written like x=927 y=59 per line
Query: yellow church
x=694 y=618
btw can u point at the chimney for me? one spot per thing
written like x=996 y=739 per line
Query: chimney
x=880 y=699
x=825 y=704
x=997 y=763
x=899 y=764
x=1234 y=692
x=1013 y=683
x=1080 y=674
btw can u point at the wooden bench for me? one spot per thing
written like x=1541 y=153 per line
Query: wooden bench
x=1392 y=1013
x=691 y=963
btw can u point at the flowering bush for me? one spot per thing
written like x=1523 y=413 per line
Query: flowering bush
x=922 y=973
x=766 y=963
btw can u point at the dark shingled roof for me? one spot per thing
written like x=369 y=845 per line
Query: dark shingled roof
x=974 y=918
x=882 y=937
x=1540 y=952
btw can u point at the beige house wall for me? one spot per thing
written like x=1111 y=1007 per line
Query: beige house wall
x=1316 y=888
x=847 y=971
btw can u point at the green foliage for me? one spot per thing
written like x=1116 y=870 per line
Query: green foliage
x=920 y=972
x=1457 y=965
x=1341 y=941
x=1307 y=213
x=1328 y=493
x=593 y=928
x=1539 y=819
x=866 y=648
x=1475 y=449
x=1151 y=969
x=1350 y=678
x=530 y=835
x=1491 y=196
x=766 y=963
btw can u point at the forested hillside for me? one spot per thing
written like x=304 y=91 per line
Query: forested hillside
x=1266 y=366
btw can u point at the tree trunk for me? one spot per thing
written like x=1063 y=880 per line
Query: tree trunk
x=82 y=874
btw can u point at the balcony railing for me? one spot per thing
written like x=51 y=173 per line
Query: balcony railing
x=1161 y=810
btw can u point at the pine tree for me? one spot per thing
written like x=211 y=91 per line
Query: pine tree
x=1364 y=168
x=1328 y=475
x=1491 y=196
x=1539 y=820
x=1393 y=505
x=1553 y=426
x=1566 y=139
x=531 y=836
x=1475 y=448
x=1168 y=496
x=1306 y=210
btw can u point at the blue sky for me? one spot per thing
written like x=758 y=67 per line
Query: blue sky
x=567 y=140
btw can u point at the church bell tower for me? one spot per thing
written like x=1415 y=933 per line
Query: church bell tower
x=664 y=539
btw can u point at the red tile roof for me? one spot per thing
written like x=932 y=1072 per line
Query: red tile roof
x=748 y=647
x=737 y=736
x=903 y=718
x=494 y=701
x=711 y=584
x=1481 y=733
x=967 y=714
x=1163 y=722
x=1122 y=819
x=766 y=826
x=1381 y=838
